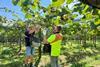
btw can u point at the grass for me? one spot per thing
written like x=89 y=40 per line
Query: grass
x=72 y=55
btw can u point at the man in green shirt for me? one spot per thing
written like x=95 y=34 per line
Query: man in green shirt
x=55 y=41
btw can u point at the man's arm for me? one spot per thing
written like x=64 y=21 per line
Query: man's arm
x=31 y=31
x=45 y=40
x=51 y=38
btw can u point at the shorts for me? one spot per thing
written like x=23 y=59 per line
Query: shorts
x=29 y=50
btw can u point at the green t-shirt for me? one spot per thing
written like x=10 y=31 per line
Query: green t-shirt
x=56 y=46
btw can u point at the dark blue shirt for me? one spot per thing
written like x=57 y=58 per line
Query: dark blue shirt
x=28 y=38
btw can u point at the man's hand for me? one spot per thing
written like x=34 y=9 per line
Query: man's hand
x=37 y=28
x=45 y=40
x=31 y=31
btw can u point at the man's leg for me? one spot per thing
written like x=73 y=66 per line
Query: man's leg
x=56 y=60
x=32 y=50
x=53 y=61
x=28 y=54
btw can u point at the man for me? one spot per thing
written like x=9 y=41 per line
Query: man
x=28 y=35
x=55 y=41
x=30 y=39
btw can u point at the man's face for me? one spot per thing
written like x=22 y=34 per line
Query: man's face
x=55 y=29
x=30 y=28
x=37 y=28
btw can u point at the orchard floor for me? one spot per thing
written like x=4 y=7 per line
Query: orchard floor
x=68 y=57
x=44 y=62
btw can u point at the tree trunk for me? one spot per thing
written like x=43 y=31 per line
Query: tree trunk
x=84 y=40
x=19 y=41
x=20 y=47
x=37 y=62
x=80 y=39
x=94 y=41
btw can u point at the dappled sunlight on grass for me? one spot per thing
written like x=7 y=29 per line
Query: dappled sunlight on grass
x=72 y=55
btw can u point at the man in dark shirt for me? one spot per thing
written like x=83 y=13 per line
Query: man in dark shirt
x=28 y=43
x=28 y=37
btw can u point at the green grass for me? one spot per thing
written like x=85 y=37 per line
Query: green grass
x=78 y=56
x=73 y=55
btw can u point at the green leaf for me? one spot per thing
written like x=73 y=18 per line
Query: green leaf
x=85 y=9
x=28 y=16
x=36 y=1
x=84 y=25
x=15 y=2
x=35 y=5
x=20 y=23
x=20 y=2
x=57 y=3
x=99 y=12
x=74 y=15
x=56 y=22
x=97 y=22
x=98 y=28
x=69 y=1
x=69 y=21
x=54 y=0
x=89 y=16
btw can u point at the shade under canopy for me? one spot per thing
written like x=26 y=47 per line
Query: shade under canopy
x=93 y=3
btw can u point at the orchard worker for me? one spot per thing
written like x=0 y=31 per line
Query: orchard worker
x=30 y=31
x=55 y=41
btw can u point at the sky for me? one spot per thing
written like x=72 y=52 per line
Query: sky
x=8 y=4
